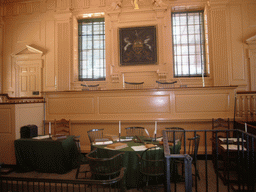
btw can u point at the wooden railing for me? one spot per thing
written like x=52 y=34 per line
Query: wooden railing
x=245 y=108
x=5 y=99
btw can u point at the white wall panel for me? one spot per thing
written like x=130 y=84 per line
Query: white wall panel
x=219 y=46
x=238 y=73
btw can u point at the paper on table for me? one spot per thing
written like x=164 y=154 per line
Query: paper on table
x=139 y=148
x=232 y=139
x=41 y=137
x=159 y=139
x=126 y=139
x=103 y=143
x=233 y=147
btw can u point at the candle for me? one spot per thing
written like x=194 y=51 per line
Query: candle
x=155 y=127
x=245 y=127
x=119 y=127
x=50 y=128
x=147 y=132
x=123 y=82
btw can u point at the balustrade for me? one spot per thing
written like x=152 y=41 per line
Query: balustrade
x=246 y=106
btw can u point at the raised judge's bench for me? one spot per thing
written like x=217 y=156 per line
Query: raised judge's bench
x=187 y=107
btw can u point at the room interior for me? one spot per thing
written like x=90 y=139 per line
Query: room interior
x=39 y=67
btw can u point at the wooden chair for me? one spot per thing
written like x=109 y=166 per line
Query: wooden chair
x=104 y=167
x=81 y=160
x=62 y=127
x=134 y=131
x=175 y=134
x=221 y=124
x=151 y=165
x=95 y=134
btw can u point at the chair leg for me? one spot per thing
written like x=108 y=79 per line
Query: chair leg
x=197 y=174
x=77 y=171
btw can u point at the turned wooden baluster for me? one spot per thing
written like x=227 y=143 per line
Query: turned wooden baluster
x=243 y=106
x=254 y=107
x=248 y=97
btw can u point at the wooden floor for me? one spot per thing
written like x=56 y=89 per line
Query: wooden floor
x=205 y=184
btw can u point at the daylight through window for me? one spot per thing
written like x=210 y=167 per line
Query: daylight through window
x=188 y=44
x=91 y=48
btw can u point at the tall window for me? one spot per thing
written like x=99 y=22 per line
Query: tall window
x=91 y=48
x=188 y=44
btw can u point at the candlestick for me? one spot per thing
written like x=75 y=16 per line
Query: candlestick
x=245 y=129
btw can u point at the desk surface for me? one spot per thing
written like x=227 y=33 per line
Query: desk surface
x=46 y=155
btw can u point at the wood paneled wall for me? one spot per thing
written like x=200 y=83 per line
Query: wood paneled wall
x=190 y=108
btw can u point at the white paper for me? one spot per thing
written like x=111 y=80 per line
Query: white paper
x=103 y=143
x=233 y=147
x=139 y=148
x=232 y=139
x=41 y=137
x=125 y=139
x=159 y=139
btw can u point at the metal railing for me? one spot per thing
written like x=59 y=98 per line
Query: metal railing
x=222 y=166
x=220 y=169
x=22 y=184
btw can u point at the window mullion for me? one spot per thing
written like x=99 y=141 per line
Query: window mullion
x=188 y=45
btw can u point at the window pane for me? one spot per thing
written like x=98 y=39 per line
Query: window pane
x=188 y=32
x=91 y=49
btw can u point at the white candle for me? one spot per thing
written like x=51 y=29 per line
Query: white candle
x=155 y=127
x=50 y=128
x=147 y=132
x=245 y=127
x=123 y=82
x=119 y=127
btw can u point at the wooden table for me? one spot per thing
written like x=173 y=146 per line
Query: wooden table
x=46 y=155
x=231 y=151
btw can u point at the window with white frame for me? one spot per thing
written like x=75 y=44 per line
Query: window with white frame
x=91 y=49
x=188 y=44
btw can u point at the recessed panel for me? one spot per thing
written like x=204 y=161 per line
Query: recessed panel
x=24 y=69
x=71 y=106
x=24 y=83
x=134 y=104
x=201 y=103
x=32 y=82
x=5 y=121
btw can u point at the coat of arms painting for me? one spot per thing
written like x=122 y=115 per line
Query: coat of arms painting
x=138 y=46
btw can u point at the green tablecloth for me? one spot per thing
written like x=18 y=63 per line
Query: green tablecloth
x=46 y=155
x=130 y=160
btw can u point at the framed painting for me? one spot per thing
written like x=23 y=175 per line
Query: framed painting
x=138 y=46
